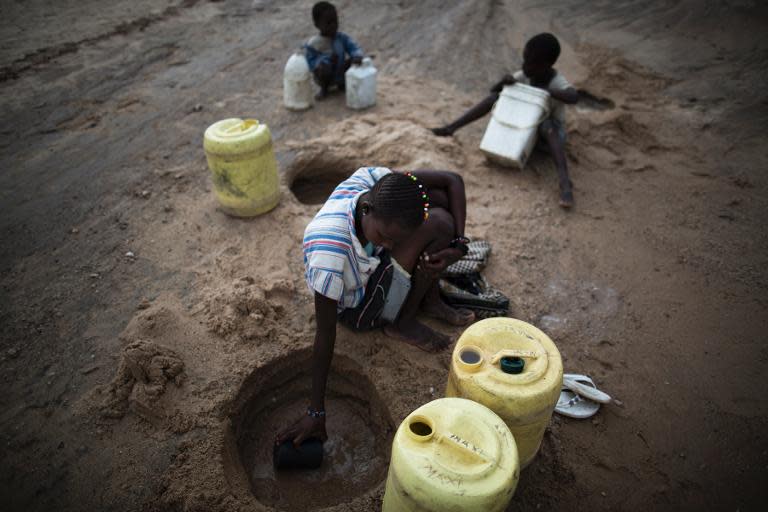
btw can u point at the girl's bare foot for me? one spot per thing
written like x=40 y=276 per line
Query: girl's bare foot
x=417 y=334
x=442 y=311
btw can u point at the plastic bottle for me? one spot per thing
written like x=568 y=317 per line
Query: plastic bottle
x=451 y=454
x=515 y=370
x=297 y=83
x=243 y=166
x=361 y=85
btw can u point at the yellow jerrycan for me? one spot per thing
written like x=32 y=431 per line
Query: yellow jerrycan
x=449 y=455
x=243 y=166
x=515 y=370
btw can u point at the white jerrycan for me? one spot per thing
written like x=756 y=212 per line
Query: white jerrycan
x=297 y=83
x=514 y=125
x=361 y=85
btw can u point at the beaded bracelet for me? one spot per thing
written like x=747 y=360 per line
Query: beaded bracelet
x=461 y=243
x=315 y=414
x=422 y=192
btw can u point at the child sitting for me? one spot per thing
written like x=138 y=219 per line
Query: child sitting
x=540 y=54
x=373 y=254
x=327 y=53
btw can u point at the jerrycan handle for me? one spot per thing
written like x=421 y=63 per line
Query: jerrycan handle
x=462 y=445
x=421 y=429
x=511 y=352
x=242 y=126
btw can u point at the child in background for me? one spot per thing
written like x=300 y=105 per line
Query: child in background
x=327 y=52
x=540 y=54
x=373 y=254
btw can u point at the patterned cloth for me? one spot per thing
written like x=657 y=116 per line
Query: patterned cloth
x=474 y=293
x=474 y=261
x=462 y=285
x=337 y=266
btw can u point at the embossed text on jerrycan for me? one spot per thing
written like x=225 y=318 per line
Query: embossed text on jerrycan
x=515 y=370
x=243 y=166
x=451 y=454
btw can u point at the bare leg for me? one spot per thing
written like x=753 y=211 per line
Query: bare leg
x=434 y=306
x=408 y=328
x=324 y=77
x=470 y=115
x=343 y=84
x=557 y=148
x=433 y=235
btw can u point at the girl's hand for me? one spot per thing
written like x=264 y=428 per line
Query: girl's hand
x=436 y=262
x=305 y=428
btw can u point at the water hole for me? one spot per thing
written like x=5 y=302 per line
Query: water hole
x=313 y=180
x=360 y=432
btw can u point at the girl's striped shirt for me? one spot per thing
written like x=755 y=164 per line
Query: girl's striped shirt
x=336 y=264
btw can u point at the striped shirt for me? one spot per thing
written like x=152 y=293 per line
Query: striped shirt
x=336 y=264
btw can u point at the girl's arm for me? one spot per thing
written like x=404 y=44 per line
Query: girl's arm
x=446 y=190
x=325 y=338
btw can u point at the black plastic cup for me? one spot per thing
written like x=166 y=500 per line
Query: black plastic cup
x=309 y=455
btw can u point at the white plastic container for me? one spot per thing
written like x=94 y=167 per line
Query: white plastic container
x=297 y=83
x=361 y=85
x=513 y=128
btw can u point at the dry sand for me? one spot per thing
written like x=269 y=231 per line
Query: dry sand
x=148 y=381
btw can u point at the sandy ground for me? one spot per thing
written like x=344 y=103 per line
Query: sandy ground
x=138 y=382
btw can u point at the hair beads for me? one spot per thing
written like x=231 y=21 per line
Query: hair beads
x=422 y=193
x=393 y=199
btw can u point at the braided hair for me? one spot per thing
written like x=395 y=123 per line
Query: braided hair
x=399 y=198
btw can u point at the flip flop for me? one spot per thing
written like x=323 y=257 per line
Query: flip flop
x=583 y=385
x=574 y=406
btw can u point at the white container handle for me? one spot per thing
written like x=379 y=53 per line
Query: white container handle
x=366 y=62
